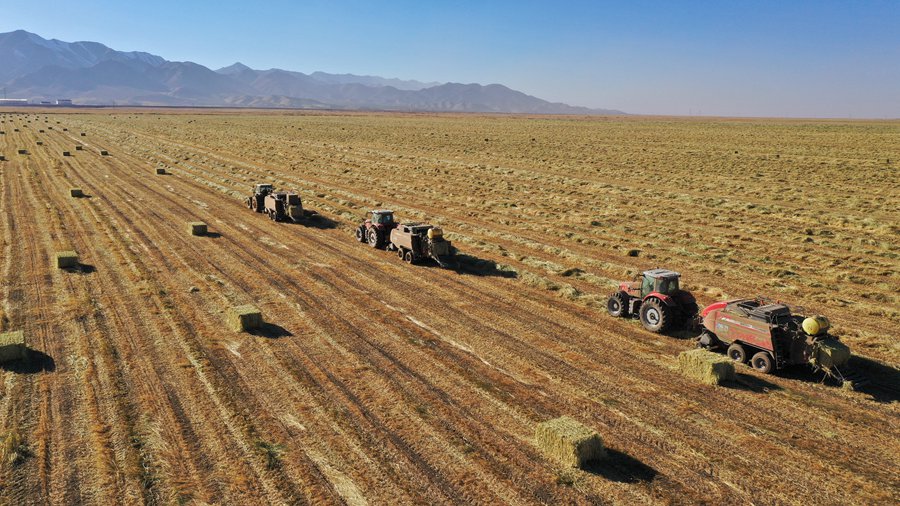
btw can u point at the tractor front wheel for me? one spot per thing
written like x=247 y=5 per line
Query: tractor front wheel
x=375 y=239
x=655 y=316
x=762 y=362
x=737 y=353
x=615 y=306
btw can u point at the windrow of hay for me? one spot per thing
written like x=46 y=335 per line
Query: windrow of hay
x=241 y=318
x=706 y=366
x=66 y=259
x=197 y=228
x=13 y=346
x=569 y=442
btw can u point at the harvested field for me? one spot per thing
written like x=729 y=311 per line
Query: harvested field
x=373 y=381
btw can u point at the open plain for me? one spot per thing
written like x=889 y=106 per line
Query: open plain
x=378 y=382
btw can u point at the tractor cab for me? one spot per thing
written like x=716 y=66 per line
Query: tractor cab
x=383 y=217
x=661 y=281
x=262 y=189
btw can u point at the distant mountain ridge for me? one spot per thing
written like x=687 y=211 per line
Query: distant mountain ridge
x=91 y=73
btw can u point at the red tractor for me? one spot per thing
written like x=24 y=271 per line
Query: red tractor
x=376 y=230
x=657 y=299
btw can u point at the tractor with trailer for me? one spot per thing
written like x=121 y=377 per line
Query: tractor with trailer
x=772 y=336
x=415 y=242
x=376 y=230
x=256 y=201
x=657 y=299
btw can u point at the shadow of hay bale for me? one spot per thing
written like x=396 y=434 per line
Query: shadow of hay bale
x=37 y=361
x=751 y=384
x=80 y=268
x=271 y=331
x=621 y=468
x=468 y=264
x=884 y=379
x=320 y=222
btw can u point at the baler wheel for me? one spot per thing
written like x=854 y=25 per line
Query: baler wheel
x=737 y=353
x=408 y=257
x=762 y=362
x=655 y=316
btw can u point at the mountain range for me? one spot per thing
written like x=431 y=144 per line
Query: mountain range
x=91 y=73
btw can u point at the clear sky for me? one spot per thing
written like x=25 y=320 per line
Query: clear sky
x=744 y=58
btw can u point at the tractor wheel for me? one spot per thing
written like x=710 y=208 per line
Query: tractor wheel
x=762 y=362
x=375 y=239
x=361 y=234
x=655 y=316
x=737 y=353
x=408 y=257
x=615 y=306
x=250 y=203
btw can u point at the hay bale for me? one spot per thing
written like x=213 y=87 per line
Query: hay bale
x=706 y=366
x=65 y=259
x=66 y=153
x=23 y=151
x=569 y=442
x=13 y=346
x=79 y=148
x=40 y=143
x=83 y=134
x=197 y=228
x=104 y=152
x=76 y=192
x=2 y=158
x=160 y=170
x=241 y=318
x=830 y=353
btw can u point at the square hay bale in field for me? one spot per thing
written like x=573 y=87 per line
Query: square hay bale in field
x=76 y=192
x=706 y=366
x=79 y=148
x=104 y=152
x=830 y=353
x=160 y=170
x=2 y=158
x=23 y=151
x=83 y=134
x=66 y=259
x=66 y=153
x=569 y=442
x=241 y=318
x=197 y=228
x=40 y=143
x=13 y=346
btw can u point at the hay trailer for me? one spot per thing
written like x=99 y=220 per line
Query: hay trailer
x=657 y=299
x=773 y=335
x=415 y=242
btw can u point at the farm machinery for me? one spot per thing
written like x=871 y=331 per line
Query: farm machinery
x=376 y=230
x=657 y=299
x=773 y=335
x=277 y=205
x=415 y=242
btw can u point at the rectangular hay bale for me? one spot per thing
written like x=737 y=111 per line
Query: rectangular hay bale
x=76 y=192
x=241 y=318
x=66 y=259
x=66 y=153
x=830 y=353
x=13 y=346
x=79 y=148
x=104 y=152
x=706 y=366
x=569 y=442
x=197 y=228
x=160 y=170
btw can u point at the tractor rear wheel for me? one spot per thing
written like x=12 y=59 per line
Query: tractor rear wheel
x=361 y=234
x=762 y=362
x=737 y=353
x=615 y=306
x=655 y=315
x=375 y=239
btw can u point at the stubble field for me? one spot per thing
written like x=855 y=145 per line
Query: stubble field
x=383 y=383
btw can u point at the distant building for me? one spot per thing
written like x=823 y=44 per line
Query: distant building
x=13 y=101
x=63 y=101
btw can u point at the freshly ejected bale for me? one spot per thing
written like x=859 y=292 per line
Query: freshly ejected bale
x=243 y=318
x=160 y=170
x=830 y=353
x=569 y=442
x=66 y=259
x=76 y=192
x=706 y=366
x=197 y=228
x=12 y=346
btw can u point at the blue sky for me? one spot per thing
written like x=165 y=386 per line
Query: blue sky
x=746 y=58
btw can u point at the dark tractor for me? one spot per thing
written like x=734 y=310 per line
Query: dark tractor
x=376 y=230
x=282 y=206
x=257 y=201
x=415 y=242
x=657 y=299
